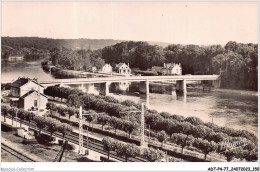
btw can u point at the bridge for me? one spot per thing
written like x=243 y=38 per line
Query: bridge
x=105 y=81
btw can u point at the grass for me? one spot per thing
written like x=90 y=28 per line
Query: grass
x=7 y=157
x=43 y=152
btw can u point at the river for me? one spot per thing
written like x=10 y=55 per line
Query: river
x=223 y=108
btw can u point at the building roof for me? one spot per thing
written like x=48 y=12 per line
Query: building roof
x=30 y=92
x=19 y=82
x=22 y=81
x=171 y=65
x=107 y=65
x=121 y=64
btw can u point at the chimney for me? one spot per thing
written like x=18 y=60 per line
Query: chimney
x=164 y=65
x=128 y=64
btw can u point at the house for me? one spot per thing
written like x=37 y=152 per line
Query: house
x=123 y=69
x=107 y=68
x=92 y=69
x=27 y=93
x=172 y=69
x=23 y=85
x=32 y=100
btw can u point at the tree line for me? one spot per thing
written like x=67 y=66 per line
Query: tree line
x=50 y=44
x=50 y=124
x=210 y=134
x=92 y=116
x=236 y=63
x=128 y=150
x=217 y=143
x=157 y=121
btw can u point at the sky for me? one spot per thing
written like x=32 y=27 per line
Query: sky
x=200 y=23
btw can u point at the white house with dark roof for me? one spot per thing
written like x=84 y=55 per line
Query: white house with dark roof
x=123 y=69
x=23 y=85
x=107 y=68
x=28 y=94
x=172 y=69
x=32 y=101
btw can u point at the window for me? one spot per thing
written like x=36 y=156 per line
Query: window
x=35 y=103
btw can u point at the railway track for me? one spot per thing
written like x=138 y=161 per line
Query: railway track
x=93 y=144
x=16 y=154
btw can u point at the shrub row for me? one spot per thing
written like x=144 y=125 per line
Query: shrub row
x=183 y=140
x=50 y=124
x=112 y=107
x=100 y=118
x=131 y=150
x=160 y=121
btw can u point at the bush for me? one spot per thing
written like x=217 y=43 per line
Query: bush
x=70 y=147
x=163 y=121
x=44 y=138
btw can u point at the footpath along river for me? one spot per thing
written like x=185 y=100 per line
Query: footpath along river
x=224 y=108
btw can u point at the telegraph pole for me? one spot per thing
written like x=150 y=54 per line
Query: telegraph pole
x=142 y=143
x=80 y=131
x=16 y=118
x=38 y=100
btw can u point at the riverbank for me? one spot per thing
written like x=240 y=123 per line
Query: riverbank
x=241 y=92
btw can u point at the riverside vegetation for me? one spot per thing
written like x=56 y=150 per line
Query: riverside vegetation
x=190 y=131
x=233 y=59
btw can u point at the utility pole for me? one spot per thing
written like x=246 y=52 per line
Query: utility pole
x=16 y=118
x=142 y=144
x=87 y=138
x=38 y=100
x=149 y=133
x=80 y=131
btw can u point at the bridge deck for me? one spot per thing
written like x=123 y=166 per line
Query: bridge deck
x=130 y=78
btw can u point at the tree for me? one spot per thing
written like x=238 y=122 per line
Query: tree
x=52 y=107
x=12 y=111
x=40 y=122
x=61 y=110
x=251 y=155
x=71 y=112
x=194 y=120
x=21 y=114
x=182 y=140
x=90 y=117
x=127 y=150
x=103 y=119
x=64 y=129
x=4 y=110
x=108 y=145
x=129 y=126
x=153 y=155
x=161 y=136
x=205 y=146
x=52 y=124
x=29 y=116
x=74 y=100
x=115 y=123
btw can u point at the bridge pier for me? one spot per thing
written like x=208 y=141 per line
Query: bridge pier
x=216 y=83
x=181 y=86
x=144 y=87
x=147 y=88
x=104 y=89
x=90 y=88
